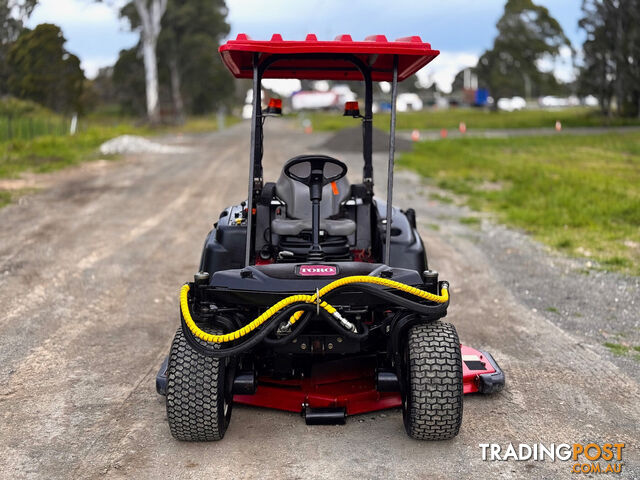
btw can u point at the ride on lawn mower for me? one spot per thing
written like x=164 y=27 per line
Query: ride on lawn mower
x=313 y=295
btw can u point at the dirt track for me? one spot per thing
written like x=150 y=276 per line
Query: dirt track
x=89 y=275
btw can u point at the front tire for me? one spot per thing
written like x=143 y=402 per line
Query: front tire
x=199 y=398
x=432 y=397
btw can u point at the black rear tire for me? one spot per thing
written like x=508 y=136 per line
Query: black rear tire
x=432 y=398
x=199 y=398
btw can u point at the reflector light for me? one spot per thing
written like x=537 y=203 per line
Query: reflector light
x=274 y=107
x=351 y=109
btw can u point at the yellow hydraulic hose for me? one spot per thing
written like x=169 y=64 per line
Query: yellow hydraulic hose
x=385 y=282
x=227 y=337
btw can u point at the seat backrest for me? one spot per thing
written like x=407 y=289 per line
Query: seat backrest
x=296 y=196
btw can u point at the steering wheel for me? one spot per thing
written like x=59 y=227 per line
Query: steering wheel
x=315 y=171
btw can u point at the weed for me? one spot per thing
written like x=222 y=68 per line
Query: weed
x=617 y=348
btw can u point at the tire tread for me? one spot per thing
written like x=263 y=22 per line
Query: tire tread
x=434 y=409
x=194 y=384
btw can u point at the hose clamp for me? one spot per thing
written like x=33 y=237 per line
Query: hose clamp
x=317 y=301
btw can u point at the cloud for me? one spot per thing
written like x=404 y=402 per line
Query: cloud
x=72 y=11
x=91 y=65
x=284 y=87
x=562 y=66
x=444 y=68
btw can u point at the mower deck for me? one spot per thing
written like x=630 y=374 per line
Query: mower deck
x=350 y=385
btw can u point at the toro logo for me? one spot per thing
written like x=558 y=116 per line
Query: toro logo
x=317 y=270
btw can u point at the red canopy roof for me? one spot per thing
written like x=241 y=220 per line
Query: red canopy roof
x=375 y=51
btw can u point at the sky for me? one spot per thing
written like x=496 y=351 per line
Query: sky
x=460 y=29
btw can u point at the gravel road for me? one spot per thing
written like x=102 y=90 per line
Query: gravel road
x=90 y=269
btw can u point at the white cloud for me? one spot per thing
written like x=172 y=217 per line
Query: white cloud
x=284 y=87
x=93 y=64
x=73 y=11
x=443 y=69
x=562 y=65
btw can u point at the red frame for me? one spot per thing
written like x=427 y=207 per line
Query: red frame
x=349 y=384
x=375 y=51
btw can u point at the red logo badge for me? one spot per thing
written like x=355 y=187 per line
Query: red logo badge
x=317 y=270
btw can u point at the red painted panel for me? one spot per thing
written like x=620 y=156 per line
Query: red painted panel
x=348 y=384
x=375 y=50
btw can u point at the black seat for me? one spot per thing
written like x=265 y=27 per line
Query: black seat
x=298 y=211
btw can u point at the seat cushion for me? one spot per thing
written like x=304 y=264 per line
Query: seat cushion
x=291 y=226
x=296 y=196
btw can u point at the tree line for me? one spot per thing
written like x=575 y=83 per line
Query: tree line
x=608 y=67
x=612 y=54
x=175 y=69
x=34 y=64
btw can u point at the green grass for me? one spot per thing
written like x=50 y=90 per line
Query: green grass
x=5 y=198
x=475 y=119
x=46 y=153
x=617 y=348
x=52 y=152
x=204 y=123
x=470 y=220
x=578 y=194
x=621 y=350
x=24 y=120
x=440 y=198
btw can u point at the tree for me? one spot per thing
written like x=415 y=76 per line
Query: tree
x=13 y=14
x=40 y=69
x=191 y=34
x=191 y=75
x=611 y=66
x=149 y=16
x=128 y=74
x=527 y=34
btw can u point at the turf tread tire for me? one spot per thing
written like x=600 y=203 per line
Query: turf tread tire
x=195 y=393
x=433 y=370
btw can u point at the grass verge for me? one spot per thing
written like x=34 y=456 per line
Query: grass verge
x=476 y=119
x=47 y=153
x=580 y=195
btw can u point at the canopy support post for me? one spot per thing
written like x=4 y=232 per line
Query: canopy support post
x=392 y=148
x=256 y=116
x=367 y=133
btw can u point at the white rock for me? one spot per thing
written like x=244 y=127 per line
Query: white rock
x=133 y=144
